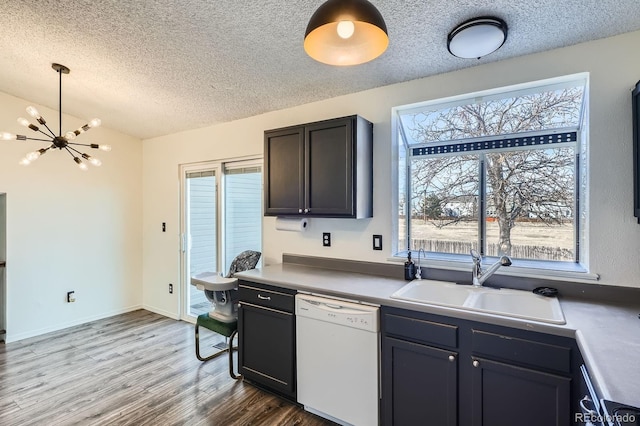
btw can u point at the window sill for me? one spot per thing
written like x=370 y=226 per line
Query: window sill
x=547 y=270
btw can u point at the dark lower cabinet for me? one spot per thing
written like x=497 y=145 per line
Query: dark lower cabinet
x=507 y=395
x=266 y=330
x=448 y=371
x=423 y=384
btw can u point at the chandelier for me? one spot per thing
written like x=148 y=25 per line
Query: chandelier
x=60 y=142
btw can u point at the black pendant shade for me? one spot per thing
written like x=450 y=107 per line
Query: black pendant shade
x=346 y=32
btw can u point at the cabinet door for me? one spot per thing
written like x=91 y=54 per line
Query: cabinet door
x=329 y=168
x=420 y=384
x=284 y=171
x=505 y=395
x=266 y=342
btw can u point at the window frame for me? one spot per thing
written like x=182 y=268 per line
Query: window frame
x=578 y=269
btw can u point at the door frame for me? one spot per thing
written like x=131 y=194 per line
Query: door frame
x=219 y=167
x=216 y=167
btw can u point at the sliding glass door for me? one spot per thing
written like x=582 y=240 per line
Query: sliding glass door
x=200 y=233
x=221 y=217
x=242 y=209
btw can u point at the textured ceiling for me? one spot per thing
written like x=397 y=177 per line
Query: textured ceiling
x=155 y=67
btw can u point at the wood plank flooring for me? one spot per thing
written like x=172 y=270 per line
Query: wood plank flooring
x=137 y=368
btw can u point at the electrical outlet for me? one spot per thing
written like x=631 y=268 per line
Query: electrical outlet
x=170 y=288
x=326 y=239
x=71 y=296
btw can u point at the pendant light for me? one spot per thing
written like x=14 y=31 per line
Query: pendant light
x=61 y=142
x=477 y=37
x=346 y=32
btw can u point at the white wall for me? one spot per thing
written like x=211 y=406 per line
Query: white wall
x=68 y=229
x=614 y=233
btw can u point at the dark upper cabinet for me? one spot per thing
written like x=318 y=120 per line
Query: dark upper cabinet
x=284 y=171
x=322 y=169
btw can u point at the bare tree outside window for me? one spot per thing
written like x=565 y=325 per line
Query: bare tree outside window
x=529 y=195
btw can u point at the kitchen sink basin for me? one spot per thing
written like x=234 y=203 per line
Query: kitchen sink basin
x=434 y=292
x=518 y=303
x=506 y=302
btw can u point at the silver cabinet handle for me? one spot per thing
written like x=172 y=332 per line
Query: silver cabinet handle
x=452 y=358
x=261 y=297
x=299 y=210
x=476 y=363
x=307 y=210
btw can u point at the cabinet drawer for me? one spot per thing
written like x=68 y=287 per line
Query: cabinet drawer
x=268 y=297
x=421 y=330
x=521 y=351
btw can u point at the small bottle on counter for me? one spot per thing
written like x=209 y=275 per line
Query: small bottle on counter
x=409 y=268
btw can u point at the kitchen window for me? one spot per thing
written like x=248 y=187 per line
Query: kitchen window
x=500 y=171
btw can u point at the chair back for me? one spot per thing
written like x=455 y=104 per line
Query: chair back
x=246 y=260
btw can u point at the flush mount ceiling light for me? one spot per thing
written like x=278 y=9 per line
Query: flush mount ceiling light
x=61 y=142
x=346 y=32
x=477 y=37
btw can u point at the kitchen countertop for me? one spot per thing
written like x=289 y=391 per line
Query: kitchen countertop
x=607 y=334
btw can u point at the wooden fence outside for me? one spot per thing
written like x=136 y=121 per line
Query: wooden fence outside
x=517 y=251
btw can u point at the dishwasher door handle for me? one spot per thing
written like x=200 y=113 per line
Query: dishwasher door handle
x=329 y=305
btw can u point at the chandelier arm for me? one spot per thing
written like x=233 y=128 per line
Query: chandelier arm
x=70 y=153
x=50 y=131
x=38 y=139
x=79 y=144
x=45 y=133
x=73 y=149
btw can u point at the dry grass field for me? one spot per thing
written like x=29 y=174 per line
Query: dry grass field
x=558 y=237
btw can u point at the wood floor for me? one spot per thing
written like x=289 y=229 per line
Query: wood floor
x=138 y=368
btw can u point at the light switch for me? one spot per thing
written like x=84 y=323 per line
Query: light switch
x=377 y=242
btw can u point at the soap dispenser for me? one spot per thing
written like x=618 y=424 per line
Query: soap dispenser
x=409 y=267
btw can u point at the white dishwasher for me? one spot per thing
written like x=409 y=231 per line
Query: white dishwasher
x=337 y=356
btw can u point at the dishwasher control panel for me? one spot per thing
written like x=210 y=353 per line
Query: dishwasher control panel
x=355 y=315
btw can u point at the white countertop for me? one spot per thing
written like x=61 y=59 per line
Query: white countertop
x=608 y=334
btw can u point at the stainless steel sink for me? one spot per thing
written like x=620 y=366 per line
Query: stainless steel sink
x=507 y=302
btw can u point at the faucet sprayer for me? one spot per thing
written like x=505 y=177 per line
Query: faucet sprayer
x=479 y=276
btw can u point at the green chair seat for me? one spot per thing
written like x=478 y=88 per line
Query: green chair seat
x=224 y=328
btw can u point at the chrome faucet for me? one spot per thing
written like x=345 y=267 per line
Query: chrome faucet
x=479 y=276
x=418 y=269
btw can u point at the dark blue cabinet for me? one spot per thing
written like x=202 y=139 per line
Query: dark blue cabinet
x=448 y=371
x=421 y=383
x=321 y=169
x=507 y=395
x=266 y=337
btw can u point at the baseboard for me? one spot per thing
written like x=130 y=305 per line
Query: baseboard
x=171 y=315
x=11 y=337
